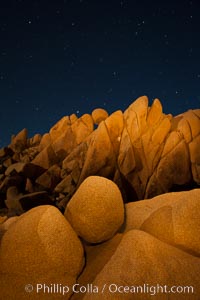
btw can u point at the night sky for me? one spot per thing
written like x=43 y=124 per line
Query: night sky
x=64 y=57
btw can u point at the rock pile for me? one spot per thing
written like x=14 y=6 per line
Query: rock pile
x=142 y=150
x=87 y=251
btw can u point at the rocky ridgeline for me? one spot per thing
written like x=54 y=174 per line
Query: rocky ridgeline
x=144 y=151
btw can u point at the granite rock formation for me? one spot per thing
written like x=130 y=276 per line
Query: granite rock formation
x=144 y=151
x=158 y=244
x=72 y=211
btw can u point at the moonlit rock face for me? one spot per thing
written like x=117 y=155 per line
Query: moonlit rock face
x=96 y=210
x=99 y=114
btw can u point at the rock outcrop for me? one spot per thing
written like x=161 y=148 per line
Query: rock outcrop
x=144 y=151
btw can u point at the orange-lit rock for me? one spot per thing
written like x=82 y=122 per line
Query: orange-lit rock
x=98 y=115
x=96 y=210
x=45 y=141
x=40 y=254
x=46 y=158
x=140 y=259
x=177 y=223
x=19 y=142
x=143 y=150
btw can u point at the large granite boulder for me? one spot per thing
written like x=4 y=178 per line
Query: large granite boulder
x=46 y=250
x=96 y=210
x=143 y=261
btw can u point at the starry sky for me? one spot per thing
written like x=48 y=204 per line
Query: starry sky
x=71 y=56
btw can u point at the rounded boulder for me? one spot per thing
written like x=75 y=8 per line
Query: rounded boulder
x=96 y=210
x=41 y=242
x=98 y=115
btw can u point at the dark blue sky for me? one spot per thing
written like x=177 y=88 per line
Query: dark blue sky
x=63 y=57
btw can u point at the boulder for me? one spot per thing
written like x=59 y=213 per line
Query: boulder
x=28 y=170
x=32 y=200
x=14 y=180
x=155 y=113
x=35 y=140
x=178 y=224
x=46 y=158
x=65 y=186
x=99 y=115
x=73 y=118
x=18 y=203
x=96 y=161
x=45 y=141
x=59 y=257
x=64 y=143
x=49 y=179
x=19 y=142
x=140 y=211
x=115 y=125
x=12 y=200
x=144 y=261
x=60 y=127
x=96 y=210
x=72 y=136
x=82 y=128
